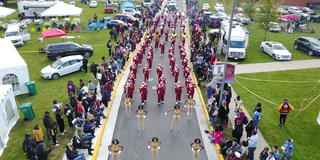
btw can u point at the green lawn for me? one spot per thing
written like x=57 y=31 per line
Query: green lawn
x=254 y=55
x=48 y=90
x=304 y=128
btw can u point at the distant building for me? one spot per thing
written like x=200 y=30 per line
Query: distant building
x=301 y=3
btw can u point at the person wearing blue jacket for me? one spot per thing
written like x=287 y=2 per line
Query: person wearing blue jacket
x=287 y=149
x=256 y=117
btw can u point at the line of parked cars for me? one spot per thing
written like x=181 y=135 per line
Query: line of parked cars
x=68 y=56
x=278 y=51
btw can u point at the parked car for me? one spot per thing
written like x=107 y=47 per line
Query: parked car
x=294 y=10
x=109 y=9
x=116 y=23
x=172 y=5
x=306 y=10
x=214 y=22
x=282 y=11
x=309 y=45
x=16 y=35
x=132 y=12
x=276 y=50
x=205 y=7
x=93 y=4
x=125 y=18
x=62 y=49
x=63 y=66
x=218 y=7
x=275 y=27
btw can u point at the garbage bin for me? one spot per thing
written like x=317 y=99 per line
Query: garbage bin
x=31 y=87
x=27 y=111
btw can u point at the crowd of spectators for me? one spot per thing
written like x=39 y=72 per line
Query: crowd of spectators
x=203 y=56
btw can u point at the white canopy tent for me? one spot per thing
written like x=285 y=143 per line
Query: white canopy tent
x=13 y=68
x=4 y=11
x=62 y=9
x=8 y=114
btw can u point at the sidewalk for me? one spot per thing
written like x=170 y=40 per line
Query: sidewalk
x=277 y=66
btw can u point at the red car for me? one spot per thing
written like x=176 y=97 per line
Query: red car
x=109 y=9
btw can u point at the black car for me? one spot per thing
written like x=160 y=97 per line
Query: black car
x=308 y=44
x=214 y=22
x=61 y=49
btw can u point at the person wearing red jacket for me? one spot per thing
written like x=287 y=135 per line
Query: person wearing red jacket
x=172 y=63
x=190 y=89
x=143 y=89
x=157 y=40
x=187 y=82
x=284 y=108
x=134 y=69
x=159 y=71
x=178 y=91
x=162 y=79
x=161 y=91
x=175 y=73
x=162 y=48
x=128 y=90
x=145 y=71
x=186 y=71
x=149 y=61
x=184 y=63
x=166 y=35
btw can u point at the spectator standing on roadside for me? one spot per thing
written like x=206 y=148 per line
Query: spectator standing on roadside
x=46 y=122
x=94 y=69
x=249 y=128
x=256 y=117
x=275 y=151
x=37 y=134
x=85 y=64
x=109 y=46
x=284 y=109
x=252 y=144
x=264 y=153
x=287 y=149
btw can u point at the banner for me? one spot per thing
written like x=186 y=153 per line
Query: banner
x=218 y=70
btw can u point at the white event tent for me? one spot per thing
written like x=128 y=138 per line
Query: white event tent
x=4 y=11
x=8 y=114
x=62 y=9
x=13 y=68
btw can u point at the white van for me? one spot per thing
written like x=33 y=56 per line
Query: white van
x=238 y=42
x=15 y=35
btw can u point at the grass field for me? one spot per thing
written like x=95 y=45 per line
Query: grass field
x=301 y=123
x=254 y=55
x=48 y=90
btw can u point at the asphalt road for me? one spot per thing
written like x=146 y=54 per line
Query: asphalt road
x=175 y=144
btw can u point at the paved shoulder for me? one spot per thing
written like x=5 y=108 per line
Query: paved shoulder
x=277 y=66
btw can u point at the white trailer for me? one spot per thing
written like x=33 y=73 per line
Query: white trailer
x=32 y=9
x=238 y=42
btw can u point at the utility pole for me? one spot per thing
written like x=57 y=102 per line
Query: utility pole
x=227 y=53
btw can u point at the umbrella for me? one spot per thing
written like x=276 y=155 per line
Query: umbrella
x=4 y=12
x=127 y=5
x=53 y=32
x=290 y=17
x=62 y=9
